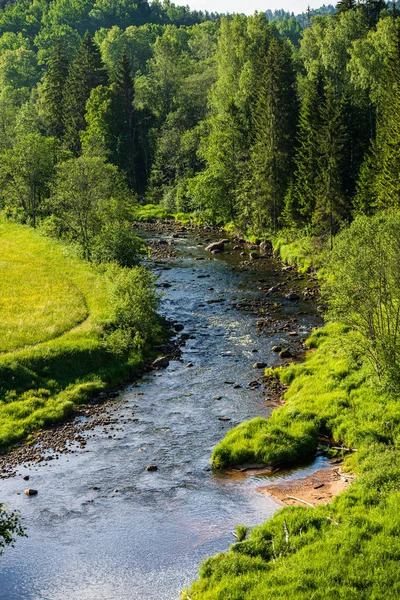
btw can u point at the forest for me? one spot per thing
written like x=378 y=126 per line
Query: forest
x=270 y=127
x=263 y=124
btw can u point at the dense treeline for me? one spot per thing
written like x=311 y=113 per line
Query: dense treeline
x=276 y=124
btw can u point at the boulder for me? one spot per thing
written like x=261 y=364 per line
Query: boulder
x=259 y=365
x=285 y=353
x=292 y=296
x=265 y=247
x=179 y=327
x=216 y=246
x=161 y=363
x=254 y=256
x=273 y=289
x=152 y=468
x=30 y=492
x=276 y=348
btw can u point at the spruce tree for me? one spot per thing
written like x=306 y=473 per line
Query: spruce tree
x=125 y=125
x=276 y=116
x=301 y=198
x=344 y=6
x=86 y=73
x=53 y=89
x=387 y=154
x=331 y=140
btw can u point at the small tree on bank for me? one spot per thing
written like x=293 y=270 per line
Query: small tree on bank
x=364 y=290
x=88 y=195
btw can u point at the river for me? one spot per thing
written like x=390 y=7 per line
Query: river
x=144 y=534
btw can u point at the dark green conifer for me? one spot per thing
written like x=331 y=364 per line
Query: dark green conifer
x=53 y=90
x=387 y=152
x=272 y=152
x=331 y=140
x=345 y=5
x=86 y=72
x=301 y=198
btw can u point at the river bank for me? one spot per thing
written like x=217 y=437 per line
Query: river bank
x=106 y=526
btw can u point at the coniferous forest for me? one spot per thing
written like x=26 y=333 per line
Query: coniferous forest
x=282 y=132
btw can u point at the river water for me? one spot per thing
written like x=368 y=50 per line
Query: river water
x=144 y=534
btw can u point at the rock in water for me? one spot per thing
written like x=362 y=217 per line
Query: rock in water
x=161 y=363
x=152 y=468
x=216 y=246
x=292 y=296
x=259 y=365
x=30 y=492
x=285 y=353
x=265 y=247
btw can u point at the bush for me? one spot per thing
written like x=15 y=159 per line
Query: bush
x=134 y=324
x=117 y=243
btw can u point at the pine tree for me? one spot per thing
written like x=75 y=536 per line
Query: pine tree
x=345 y=5
x=301 y=198
x=373 y=9
x=53 y=90
x=276 y=116
x=125 y=129
x=331 y=140
x=387 y=153
x=86 y=73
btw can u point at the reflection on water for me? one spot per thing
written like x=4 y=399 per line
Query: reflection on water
x=144 y=534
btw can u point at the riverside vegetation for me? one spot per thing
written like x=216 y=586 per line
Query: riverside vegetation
x=271 y=125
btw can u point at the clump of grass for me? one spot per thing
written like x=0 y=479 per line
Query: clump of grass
x=241 y=532
x=148 y=212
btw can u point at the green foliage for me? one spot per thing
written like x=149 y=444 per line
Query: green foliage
x=88 y=194
x=53 y=91
x=85 y=73
x=119 y=243
x=25 y=173
x=364 y=288
x=10 y=527
x=241 y=532
x=134 y=323
x=275 y=118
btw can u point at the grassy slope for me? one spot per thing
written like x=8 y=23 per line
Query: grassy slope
x=51 y=307
x=350 y=548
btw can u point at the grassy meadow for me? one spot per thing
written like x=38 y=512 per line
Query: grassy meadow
x=350 y=548
x=53 y=307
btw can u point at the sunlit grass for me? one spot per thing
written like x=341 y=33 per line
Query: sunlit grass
x=52 y=309
x=43 y=293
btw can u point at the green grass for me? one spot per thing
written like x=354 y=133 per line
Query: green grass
x=148 y=212
x=52 y=309
x=350 y=548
